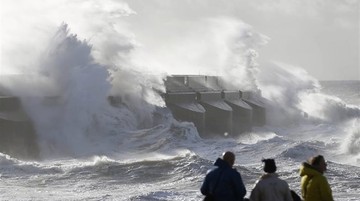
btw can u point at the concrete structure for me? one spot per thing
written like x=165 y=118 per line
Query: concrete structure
x=242 y=120
x=259 y=116
x=17 y=134
x=213 y=109
x=185 y=107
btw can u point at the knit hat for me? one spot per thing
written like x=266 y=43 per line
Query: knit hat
x=269 y=166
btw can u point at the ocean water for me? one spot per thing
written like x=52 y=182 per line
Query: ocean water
x=90 y=150
x=169 y=160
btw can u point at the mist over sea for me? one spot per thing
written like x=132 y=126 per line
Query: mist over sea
x=91 y=150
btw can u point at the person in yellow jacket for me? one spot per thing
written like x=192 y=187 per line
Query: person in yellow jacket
x=314 y=185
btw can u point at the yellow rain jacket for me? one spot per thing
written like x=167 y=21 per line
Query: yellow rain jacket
x=314 y=185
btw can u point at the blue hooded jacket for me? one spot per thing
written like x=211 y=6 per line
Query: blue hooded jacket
x=230 y=186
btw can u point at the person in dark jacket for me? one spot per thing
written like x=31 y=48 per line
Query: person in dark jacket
x=224 y=182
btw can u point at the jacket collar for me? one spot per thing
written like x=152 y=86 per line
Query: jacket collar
x=307 y=169
x=268 y=175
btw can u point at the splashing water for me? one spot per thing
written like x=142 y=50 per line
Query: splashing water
x=73 y=60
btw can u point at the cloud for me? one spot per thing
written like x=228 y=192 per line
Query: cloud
x=27 y=26
x=307 y=8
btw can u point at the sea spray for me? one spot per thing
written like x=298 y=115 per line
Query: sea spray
x=72 y=121
x=240 y=44
x=282 y=85
x=27 y=27
x=139 y=92
x=81 y=91
x=228 y=47
x=351 y=144
x=65 y=79
x=294 y=97
x=327 y=108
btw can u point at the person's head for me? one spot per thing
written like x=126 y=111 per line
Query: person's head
x=229 y=157
x=269 y=166
x=318 y=162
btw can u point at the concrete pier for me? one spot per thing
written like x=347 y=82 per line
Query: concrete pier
x=17 y=134
x=214 y=109
x=242 y=112
x=185 y=108
x=218 y=116
x=259 y=113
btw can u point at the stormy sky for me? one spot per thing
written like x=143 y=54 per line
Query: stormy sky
x=321 y=36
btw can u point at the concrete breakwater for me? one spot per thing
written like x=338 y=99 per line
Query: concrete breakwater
x=213 y=108
x=17 y=134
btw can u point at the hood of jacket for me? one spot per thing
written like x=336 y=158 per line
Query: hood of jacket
x=307 y=169
x=221 y=163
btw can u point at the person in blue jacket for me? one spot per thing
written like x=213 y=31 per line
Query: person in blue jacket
x=224 y=182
